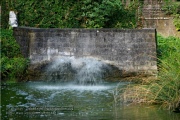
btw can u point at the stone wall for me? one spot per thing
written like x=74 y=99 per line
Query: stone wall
x=129 y=50
x=153 y=16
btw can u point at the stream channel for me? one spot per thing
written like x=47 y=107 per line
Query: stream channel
x=69 y=101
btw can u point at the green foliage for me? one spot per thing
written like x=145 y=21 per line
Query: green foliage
x=97 y=14
x=44 y=13
x=13 y=64
x=69 y=14
x=127 y=18
x=177 y=21
x=173 y=8
x=170 y=7
x=167 y=46
x=168 y=87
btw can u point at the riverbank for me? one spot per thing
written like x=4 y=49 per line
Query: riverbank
x=165 y=90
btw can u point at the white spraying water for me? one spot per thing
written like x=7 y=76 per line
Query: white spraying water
x=71 y=87
x=83 y=70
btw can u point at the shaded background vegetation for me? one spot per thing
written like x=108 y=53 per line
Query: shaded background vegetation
x=173 y=9
x=71 y=13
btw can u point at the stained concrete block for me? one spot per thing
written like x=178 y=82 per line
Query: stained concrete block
x=129 y=50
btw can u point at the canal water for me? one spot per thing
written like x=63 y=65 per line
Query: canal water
x=70 y=101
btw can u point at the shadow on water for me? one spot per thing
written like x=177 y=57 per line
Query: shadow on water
x=69 y=101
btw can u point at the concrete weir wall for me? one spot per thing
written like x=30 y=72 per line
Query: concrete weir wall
x=129 y=50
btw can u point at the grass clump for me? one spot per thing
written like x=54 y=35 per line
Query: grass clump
x=165 y=90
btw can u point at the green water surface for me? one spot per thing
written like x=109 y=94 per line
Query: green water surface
x=68 y=101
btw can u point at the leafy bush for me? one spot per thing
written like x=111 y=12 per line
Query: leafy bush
x=173 y=8
x=69 y=14
x=13 y=64
x=170 y=7
x=108 y=14
x=95 y=13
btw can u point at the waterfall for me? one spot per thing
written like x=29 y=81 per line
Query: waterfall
x=84 y=71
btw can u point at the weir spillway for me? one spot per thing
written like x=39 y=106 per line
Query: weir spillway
x=130 y=50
